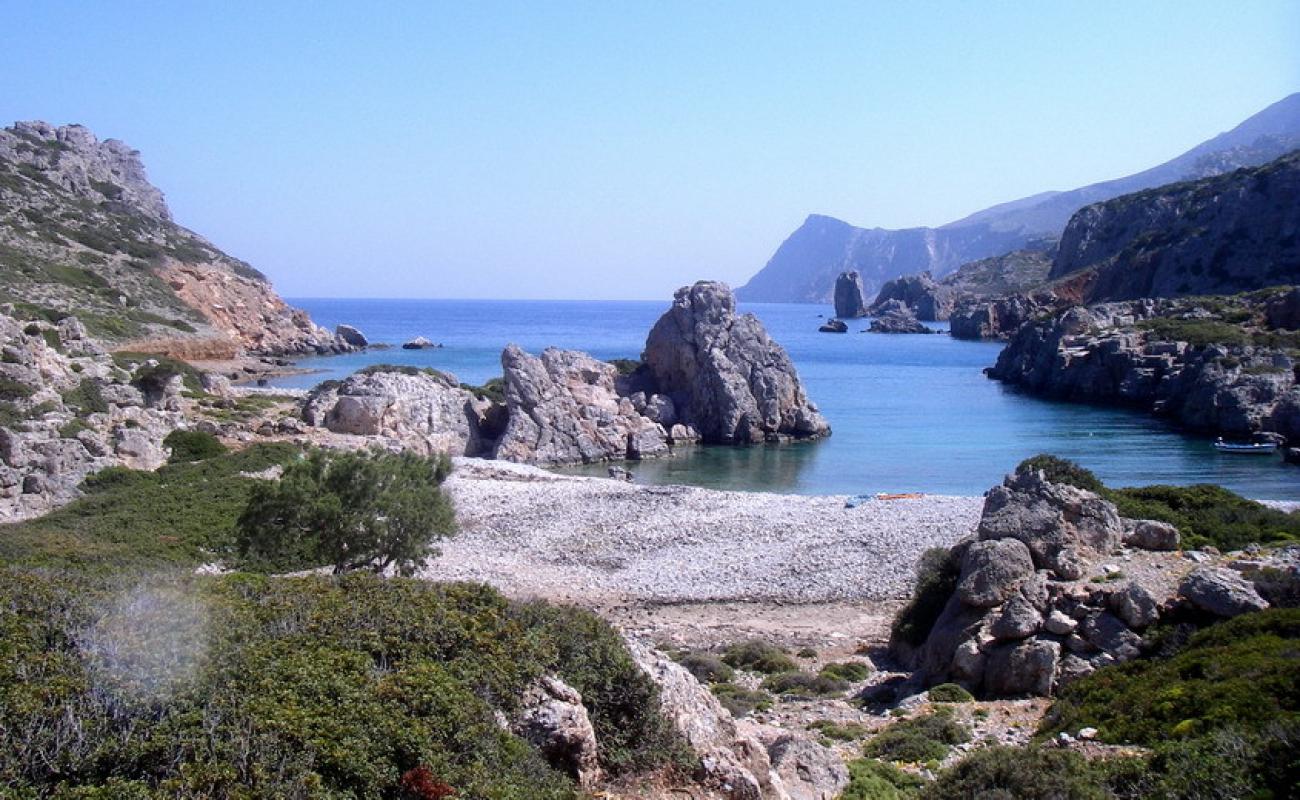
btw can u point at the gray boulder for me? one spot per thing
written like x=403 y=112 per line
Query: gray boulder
x=834 y=326
x=1136 y=606
x=850 y=302
x=991 y=572
x=351 y=337
x=553 y=718
x=807 y=770
x=1221 y=592
x=1018 y=620
x=1023 y=668
x=728 y=379
x=1150 y=534
x=922 y=296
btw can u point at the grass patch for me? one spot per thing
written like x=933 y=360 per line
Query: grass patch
x=86 y=398
x=1195 y=332
x=190 y=446
x=741 y=702
x=757 y=655
x=11 y=390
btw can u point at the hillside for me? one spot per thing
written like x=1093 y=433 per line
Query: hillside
x=804 y=267
x=82 y=230
x=1229 y=233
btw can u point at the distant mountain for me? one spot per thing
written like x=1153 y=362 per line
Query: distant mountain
x=805 y=266
x=1230 y=233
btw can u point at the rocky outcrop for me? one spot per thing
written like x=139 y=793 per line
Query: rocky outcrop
x=738 y=761
x=925 y=298
x=83 y=231
x=897 y=322
x=1221 y=235
x=351 y=337
x=1221 y=592
x=727 y=378
x=1001 y=317
x=834 y=326
x=1138 y=354
x=849 y=300
x=1017 y=272
x=553 y=719
x=421 y=410
x=565 y=407
x=67 y=409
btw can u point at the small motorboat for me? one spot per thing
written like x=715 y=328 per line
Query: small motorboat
x=1245 y=449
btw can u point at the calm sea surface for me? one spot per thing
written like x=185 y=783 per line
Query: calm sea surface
x=909 y=413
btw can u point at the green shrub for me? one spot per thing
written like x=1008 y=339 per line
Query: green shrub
x=153 y=378
x=189 y=446
x=1060 y=470
x=851 y=671
x=352 y=510
x=1241 y=673
x=949 y=693
x=86 y=398
x=759 y=656
x=839 y=731
x=1208 y=515
x=741 y=702
x=1229 y=762
x=11 y=390
x=494 y=389
x=807 y=652
x=803 y=684
x=1012 y=772
x=918 y=739
x=707 y=668
x=936 y=579
x=626 y=366
x=1196 y=332
x=72 y=427
x=872 y=779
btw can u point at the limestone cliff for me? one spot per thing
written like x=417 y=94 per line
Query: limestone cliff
x=82 y=230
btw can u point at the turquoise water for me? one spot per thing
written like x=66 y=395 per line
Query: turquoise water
x=909 y=413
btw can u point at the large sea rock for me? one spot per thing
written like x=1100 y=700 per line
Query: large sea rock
x=849 y=301
x=727 y=377
x=926 y=299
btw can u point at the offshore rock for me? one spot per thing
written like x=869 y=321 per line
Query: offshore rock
x=727 y=378
x=927 y=299
x=897 y=322
x=849 y=300
x=834 y=326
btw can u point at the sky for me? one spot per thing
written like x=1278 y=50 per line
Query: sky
x=618 y=150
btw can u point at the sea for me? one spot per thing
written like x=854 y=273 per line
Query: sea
x=909 y=413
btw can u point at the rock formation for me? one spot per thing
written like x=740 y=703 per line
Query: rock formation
x=67 y=409
x=925 y=298
x=553 y=719
x=1000 y=317
x=727 y=378
x=1036 y=605
x=834 y=326
x=1138 y=354
x=849 y=300
x=896 y=321
x=1230 y=233
x=421 y=410
x=83 y=231
x=565 y=408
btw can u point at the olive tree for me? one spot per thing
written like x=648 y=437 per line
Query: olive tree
x=352 y=510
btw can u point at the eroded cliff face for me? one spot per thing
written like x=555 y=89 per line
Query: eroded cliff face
x=1231 y=233
x=83 y=231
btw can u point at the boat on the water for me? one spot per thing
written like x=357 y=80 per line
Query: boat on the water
x=1251 y=448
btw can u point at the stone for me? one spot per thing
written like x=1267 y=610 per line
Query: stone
x=418 y=343
x=1062 y=525
x=619 y=473
x=1027 y=667
x=1221 y=592
x=807 y=770
x=897 y=322
x=919 y=294
x=1108 y=633
x=834 y=326
x=727 y=378
x=1149 y=534
x=850 y=302
x=351 y=337
x=991 y=571
x=1136 y=606
x=553 y=719
x=1018 y=620
x=1060 y=623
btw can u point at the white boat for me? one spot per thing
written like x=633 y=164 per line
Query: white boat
x=1246 y=449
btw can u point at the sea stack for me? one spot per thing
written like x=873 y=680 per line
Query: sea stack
x=849 y=302
x=727 y=378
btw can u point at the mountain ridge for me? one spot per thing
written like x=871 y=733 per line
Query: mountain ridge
x=804 y=267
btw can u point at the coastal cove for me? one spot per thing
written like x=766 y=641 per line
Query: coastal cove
x=909 y=413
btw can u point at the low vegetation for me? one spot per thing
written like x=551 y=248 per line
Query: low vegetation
x=741 y=702
x=707 y=668
x=803 y=684
x=187 y=446
x=949 y=693
x=757 y=655
x=849 y=671
x=919 y=739
x=839 y=731
x=873 y=779
x=936 y=579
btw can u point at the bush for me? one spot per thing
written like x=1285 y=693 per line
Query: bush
x=11 y=390
x=871 y=779
x=1196 y=332
x=1012 y=772
x=1241 y=673
x=1208 y=515
x=246 y=686
x=187 y=446
x=741 y=702
x=1060 y=470
x=839 y=731
x=936 y=579
x=759 y=656
x=918 y=739
x=851 y=671
x=804 y=685
x=351 y=510
x=707 y=668
x=86 y=397
x=949 y=693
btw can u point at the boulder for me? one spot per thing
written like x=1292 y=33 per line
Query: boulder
x=1027 y=667
x=834 y=326
x=991 y=572
x=807 y=770
x=1221 y=592
x=849 y=300
x=1149 y=534
x=1062 y=525
x=564 y=407
x=922 y=296
x=897 y=322
x=1018 y=620
x=351 y=337
x=1108 y=633
x=728 y=380
x=419 y=343
x=1135 y=605
x=554 y=720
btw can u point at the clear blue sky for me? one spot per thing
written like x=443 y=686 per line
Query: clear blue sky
x=618 y=150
